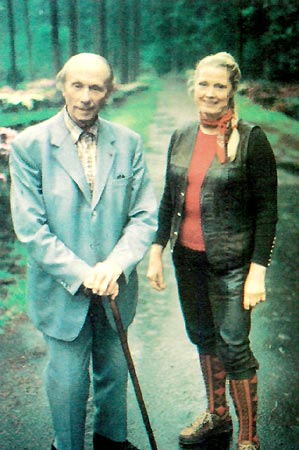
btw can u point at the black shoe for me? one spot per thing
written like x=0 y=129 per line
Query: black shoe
x=103 y=443
x=128 y=446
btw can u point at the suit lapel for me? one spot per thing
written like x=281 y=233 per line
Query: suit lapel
x=105 y=158
x=65 y=152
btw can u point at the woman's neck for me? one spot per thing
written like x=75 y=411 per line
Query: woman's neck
x=207 y=129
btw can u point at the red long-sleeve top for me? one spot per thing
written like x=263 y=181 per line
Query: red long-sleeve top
x=191 y=234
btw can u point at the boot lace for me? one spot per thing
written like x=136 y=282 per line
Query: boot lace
x=202 y=420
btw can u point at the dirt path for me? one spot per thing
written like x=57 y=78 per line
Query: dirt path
x=165 y=361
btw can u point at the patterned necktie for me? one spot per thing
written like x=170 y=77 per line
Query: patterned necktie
x=87 y=154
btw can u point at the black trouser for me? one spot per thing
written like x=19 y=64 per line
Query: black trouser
x=212 y=306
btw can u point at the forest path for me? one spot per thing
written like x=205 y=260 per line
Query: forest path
x=166 y=363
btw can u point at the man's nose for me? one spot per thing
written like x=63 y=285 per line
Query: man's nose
x=85 y=95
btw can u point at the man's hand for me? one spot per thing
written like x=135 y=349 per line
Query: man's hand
x=102 y=279
x=254 y=289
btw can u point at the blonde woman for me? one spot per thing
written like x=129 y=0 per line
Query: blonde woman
x=219 y=212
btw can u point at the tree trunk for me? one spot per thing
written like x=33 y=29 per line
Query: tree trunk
x=135 y=51
x=240 y=37
x=13 y=73
x=73 y=27
x=29 y=38
x=100 y=25
x=123 y=41
x=55 y=34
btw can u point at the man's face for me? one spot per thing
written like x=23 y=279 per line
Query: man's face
x=85 y=91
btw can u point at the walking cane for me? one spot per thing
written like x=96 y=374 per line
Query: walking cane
x=132 y=371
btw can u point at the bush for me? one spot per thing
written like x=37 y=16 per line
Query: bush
x=6 y=231
x=289 y=106
x=274 y=96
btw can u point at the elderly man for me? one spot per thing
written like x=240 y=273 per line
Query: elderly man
x=83 y=203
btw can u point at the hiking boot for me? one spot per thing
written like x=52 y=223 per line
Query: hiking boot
x=248 y=445
x=205 y=426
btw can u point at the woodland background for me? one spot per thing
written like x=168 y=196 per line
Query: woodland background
x=136 y=35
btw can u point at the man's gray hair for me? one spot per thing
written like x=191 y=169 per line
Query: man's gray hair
x=61 y=76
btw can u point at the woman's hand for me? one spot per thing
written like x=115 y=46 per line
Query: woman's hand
x=254 y=289
x=155 y=272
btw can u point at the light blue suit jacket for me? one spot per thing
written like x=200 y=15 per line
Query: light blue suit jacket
x=68 y=230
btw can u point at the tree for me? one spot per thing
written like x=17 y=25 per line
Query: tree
x=169 y=35
x=73 y=27
x=254 y=52
x=163 y=36
x=281 y=40
x=135 y=48
x=176 y=41
x=123 y=41
x=29 y=37
x=100 y=26
x=13 y=72
x=55 y=34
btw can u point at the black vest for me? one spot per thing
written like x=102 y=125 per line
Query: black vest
x=226 y=205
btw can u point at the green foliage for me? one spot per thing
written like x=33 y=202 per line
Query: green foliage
x=262 y=35
x=281 y=40
x=219 y=27
x=174 y=31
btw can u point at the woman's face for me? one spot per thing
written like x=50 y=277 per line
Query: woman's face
x=212 y=90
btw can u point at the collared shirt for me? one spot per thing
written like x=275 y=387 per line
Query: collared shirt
x=86 y=143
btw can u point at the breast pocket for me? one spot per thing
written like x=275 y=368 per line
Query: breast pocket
x=120 y=180
x=118 y=194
